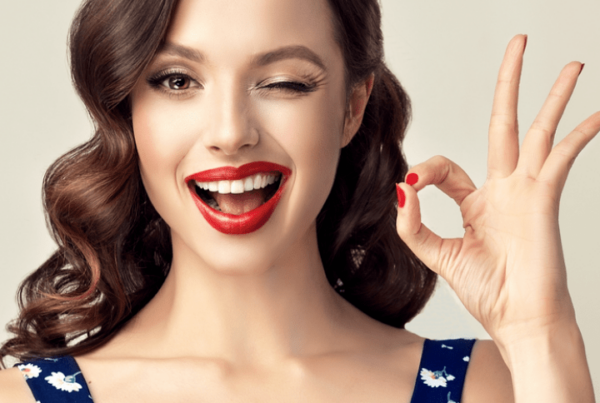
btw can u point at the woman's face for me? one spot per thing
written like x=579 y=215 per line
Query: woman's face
x=257 y=84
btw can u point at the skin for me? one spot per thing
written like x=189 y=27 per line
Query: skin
x=511 y=230
x=252 y=318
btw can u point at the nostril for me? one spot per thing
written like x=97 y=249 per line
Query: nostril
x=230 y=138
x=230 y=149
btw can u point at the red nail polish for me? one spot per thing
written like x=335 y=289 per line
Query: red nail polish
x=412 y=178
x=401 y=196
x=582 y=66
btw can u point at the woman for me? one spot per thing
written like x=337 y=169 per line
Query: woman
x=272 y=91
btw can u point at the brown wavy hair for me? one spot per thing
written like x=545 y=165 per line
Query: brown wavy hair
x=114 y=250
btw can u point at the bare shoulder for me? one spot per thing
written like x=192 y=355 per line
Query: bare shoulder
x=13 y=388
x=488 y=378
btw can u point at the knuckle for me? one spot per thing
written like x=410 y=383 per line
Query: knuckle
x=543 y=131
x=567 y=152
x=442 y=168
x=557 y=92
x=439 y=160
x=505 y=80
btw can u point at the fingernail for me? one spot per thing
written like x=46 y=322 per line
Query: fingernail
x=412 y=178
x=525 y=43
x=401 y=196
x=582 y=66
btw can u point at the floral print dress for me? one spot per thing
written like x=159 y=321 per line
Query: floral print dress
x=442 y=371
x=440 y=378
x=56 y=380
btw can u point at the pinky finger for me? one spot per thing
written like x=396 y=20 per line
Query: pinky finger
x=563 y=155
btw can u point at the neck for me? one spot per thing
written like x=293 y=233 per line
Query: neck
x=287 y=309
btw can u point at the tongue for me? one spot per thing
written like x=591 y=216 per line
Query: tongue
x=238 y=204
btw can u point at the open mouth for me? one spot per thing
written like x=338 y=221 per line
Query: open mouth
x=240 y=196
x=239 y=200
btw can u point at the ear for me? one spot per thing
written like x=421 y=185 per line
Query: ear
x=357 y=104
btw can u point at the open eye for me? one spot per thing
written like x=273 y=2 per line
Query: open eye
x=177 y=82
x=172 y=81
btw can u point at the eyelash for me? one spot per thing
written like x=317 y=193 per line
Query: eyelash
x=291 y=86
x=157 y=82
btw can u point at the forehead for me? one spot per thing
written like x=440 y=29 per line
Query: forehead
x=226 y=28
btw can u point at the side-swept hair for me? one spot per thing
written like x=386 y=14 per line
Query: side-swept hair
x=114 y=250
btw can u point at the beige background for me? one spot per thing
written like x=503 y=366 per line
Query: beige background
x=446 y=53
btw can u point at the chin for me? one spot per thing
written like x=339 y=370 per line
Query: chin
x=227 y=255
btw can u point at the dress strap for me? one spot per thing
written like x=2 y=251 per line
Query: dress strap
x=56 y=380
x=442 y=371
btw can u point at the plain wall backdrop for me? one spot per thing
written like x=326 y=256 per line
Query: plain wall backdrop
x=445 y=53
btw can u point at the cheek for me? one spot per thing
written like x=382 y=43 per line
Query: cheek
x=311 y=133
x=160 y=141
x=308 y=128
x=161 y=144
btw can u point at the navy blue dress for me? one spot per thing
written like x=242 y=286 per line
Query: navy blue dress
x=440 y=378
x=442 y=371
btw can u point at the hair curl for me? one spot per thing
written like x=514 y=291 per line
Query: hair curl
x=114 y=250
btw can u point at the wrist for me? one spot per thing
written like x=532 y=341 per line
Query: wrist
x=538 y=333
x=545 y=360
x=541 y=343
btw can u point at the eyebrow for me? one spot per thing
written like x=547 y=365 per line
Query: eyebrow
x=289 y=52
x=170 y=48
x=283 y=53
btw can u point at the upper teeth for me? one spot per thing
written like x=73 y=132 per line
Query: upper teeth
x=257 y=181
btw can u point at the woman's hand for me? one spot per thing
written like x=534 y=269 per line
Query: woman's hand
x=508 y=269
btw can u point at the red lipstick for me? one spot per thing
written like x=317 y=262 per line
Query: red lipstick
x=244 y=223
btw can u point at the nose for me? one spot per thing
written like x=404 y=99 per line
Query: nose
x=230 y=129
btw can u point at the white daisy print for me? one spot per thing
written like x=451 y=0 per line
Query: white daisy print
x=433 y=379
x=450 y=400
x=30 y=371
x=448 y=347
x=466 y=358
x=436 y=378
x=64 y=383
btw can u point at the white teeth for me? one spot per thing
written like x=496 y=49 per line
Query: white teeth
x=257 y=181
x=237 y=186
x=250 y=183
x=224 y=187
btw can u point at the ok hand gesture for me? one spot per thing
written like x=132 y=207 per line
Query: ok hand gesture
x=508 y=269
